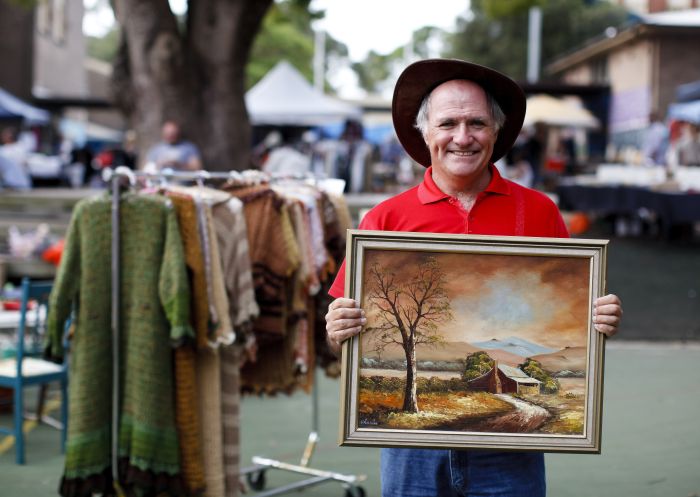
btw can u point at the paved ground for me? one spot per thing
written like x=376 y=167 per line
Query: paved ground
x=651 y=444
x=659 y=282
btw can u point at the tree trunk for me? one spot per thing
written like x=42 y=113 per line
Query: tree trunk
x=194 y=75
x=410 y=397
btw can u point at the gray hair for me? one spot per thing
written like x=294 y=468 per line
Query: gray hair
x=497 y=113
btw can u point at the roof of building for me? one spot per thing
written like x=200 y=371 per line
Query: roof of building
x=516 y=374
x=685 y=20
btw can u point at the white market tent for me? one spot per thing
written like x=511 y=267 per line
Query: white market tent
x=284 y=98
x=557 y=112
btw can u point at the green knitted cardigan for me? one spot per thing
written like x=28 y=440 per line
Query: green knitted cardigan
x=155 y=315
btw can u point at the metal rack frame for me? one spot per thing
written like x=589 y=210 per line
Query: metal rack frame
x=255 y=474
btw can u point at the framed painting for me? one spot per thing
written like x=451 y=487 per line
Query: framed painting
x=473 y=342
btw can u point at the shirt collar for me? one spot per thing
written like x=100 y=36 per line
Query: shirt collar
x=429 y=192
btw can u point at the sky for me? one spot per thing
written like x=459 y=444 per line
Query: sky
x=541 y=299
x=383 y=25
x=362 y=25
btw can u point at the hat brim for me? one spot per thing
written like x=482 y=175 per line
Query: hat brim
x=421 y=77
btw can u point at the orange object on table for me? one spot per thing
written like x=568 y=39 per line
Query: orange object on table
x=53 y=254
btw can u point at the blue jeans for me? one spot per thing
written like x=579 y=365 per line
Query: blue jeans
x=453 y=473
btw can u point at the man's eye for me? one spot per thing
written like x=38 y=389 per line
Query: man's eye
x=446 y=124
x=478 y=124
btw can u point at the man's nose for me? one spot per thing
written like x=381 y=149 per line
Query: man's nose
x=462 y=134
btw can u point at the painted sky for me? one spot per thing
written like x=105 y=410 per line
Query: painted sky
x=541 y=299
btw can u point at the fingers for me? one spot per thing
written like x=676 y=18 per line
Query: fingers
x=607 y=313
x=344 y=319
x=606 y=329
x=608 y=299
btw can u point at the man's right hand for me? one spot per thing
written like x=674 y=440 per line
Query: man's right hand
x=345 y=319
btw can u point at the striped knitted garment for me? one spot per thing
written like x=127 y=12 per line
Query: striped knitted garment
x=209 y=366
x=275 y=256
x=187 y=414
x=232 y=235
x=155 y=314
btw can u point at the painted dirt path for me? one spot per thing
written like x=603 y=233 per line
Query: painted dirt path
x=524 y=419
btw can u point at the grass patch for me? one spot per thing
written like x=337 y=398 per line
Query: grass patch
x=383 y=409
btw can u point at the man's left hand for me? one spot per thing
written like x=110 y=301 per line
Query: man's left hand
x=607 y=312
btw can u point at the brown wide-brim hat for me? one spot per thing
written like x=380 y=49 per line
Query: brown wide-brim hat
x=421 y=77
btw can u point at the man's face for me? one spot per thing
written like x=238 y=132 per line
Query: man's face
x=170 y=133
x=461 y=132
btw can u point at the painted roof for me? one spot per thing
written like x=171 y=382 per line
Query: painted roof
x=516 y=374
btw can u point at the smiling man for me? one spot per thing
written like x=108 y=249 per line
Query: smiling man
x=456 y=119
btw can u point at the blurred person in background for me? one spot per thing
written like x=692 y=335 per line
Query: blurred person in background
x=688 y=145
x=655 y=141
x=13 y=162
x=172 y=152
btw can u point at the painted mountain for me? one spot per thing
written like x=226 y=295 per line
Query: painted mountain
x=569 y=360
x=514 y=345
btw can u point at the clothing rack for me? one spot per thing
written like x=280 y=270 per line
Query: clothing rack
x=255 y=474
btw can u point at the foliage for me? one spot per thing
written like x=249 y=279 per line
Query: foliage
x=27 y=4
x=534 y=369
x=496 y=35
x=388 y=384
x=376 y=69
x=104 y=48
x=368 y=362
x=511 y=7
x=287 y=34
x=477 y=364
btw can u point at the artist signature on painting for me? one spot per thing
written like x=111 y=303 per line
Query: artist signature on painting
x=368 y=421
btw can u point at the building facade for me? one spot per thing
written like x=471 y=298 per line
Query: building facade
x=643 y=64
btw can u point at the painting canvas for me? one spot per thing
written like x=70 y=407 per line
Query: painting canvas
x=474 y=341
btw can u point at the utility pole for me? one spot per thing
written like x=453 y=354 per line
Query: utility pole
x=319 y=59
x=534 y=45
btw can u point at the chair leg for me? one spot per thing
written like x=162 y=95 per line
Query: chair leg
x=64 y=414
x=43 y=388
x=19 y=424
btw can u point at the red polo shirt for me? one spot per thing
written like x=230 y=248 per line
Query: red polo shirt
x=503 y=208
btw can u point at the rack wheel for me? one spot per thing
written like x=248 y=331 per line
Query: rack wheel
x=256 y=480
x=355 y=492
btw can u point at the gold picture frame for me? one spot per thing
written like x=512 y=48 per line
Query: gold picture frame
x=477 y=342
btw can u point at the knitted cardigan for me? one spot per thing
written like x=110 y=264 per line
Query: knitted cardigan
x=187 y=413
x=155 y=314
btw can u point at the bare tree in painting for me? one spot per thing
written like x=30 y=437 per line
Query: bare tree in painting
x=410 y=312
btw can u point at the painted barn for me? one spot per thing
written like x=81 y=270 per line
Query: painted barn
x=505 y=379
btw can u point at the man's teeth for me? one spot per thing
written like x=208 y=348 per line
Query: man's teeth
x=463 y=154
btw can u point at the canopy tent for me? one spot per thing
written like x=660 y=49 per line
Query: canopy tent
x=284 y=98
x=557 y=112
x=688 y=92
x=13 y=107
x=688 y=111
